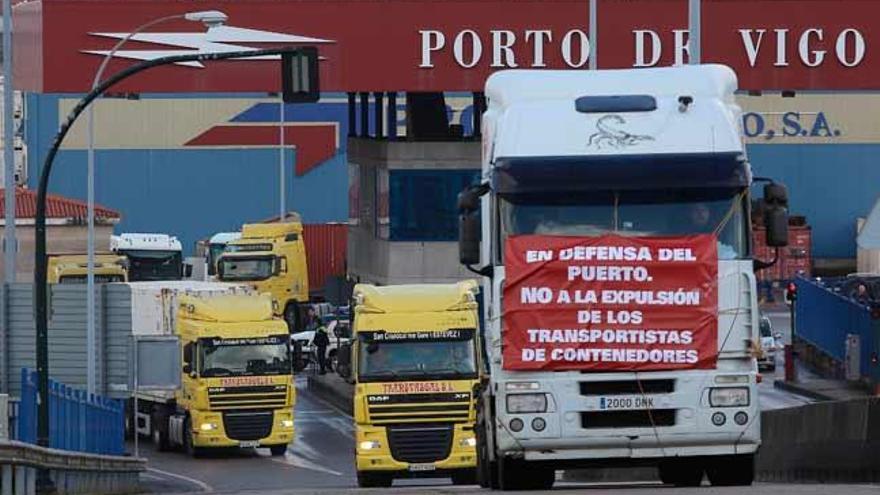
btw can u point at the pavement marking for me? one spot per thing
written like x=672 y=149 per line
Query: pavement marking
x=296 y=460
x=199 y=483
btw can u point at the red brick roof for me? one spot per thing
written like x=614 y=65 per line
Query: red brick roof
x=56 y=206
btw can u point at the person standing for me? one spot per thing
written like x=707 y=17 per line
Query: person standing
x=321 y=341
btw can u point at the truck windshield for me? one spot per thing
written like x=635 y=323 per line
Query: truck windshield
x=244 y=357
x=416 y=356
x=214 y=252
x=635 y=213
x=145 y=265
x=251 y=268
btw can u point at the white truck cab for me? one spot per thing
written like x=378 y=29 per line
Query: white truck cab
x=634 y=156
x=152 y=257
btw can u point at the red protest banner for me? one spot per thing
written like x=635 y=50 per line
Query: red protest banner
x=610 y=303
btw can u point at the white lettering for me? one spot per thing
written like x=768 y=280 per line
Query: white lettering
x=584 y=48
x=682 y=47
x=502 y=44
x=541 y=37
x=818 y=56
x=752 y=47
x=536 y=295
x=431 y=42
x=656 y=48
x=476 y=48
x=781 y=48
x=858 y=47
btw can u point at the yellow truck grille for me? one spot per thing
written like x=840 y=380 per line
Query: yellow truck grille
x=419 y=408
x=255 y=397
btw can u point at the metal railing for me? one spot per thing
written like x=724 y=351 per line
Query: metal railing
x=77 y=421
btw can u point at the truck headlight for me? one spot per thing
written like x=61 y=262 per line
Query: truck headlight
x=729 y=397
x=287 y=423
x=369 y=445
x=526 y=403
x=468 y=442
x=208 y=426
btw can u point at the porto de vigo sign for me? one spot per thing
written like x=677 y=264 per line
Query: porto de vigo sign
x=822 y=45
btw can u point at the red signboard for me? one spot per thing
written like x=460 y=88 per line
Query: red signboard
x=610 y=303
x=435 y=45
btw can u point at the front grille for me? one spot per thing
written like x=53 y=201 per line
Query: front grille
x=628 y=387
x=420 y=443
x=263 y=396
x=417 y=408
x=628 y=419
x=252 y=425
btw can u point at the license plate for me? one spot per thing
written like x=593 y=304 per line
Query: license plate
x=422 y=467
x=250 y=443
x=625 y=402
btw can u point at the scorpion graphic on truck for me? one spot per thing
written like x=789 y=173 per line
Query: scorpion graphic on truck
x=609 y=136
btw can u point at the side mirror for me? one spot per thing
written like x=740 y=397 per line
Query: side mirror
x=343 y=361
x=187 y=270
x=469 y=238
x=776 y=222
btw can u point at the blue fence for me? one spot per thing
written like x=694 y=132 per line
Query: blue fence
x=76 y=421
x=825 y=314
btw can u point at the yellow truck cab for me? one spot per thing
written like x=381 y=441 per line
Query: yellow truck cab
x=271 y=257
x=237 y=385
x=72 y=268
x=415 y=358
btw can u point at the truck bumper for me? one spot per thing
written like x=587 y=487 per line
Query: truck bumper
x=379 y=457
x=222 y=433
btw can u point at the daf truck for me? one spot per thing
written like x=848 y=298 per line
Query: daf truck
x=415 y=362
x=611 y=227
x=237 y=387
x=271 y=257
x=73 y=268
x=151 y=257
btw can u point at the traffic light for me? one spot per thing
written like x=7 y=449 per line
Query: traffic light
x=791 y=293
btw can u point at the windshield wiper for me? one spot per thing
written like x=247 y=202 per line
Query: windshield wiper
x=216 y=372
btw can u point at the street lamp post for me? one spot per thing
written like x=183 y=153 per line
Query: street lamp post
x=210 y=18
x=694 y=31
x=40 y=260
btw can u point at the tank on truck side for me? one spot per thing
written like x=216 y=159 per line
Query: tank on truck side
x=415 y=361
x=152 y=257
x=236 y=379
x=73 y=268
x=270 y=257
x=596 y=161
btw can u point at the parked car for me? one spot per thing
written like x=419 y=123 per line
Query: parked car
x=339 y=332
x=770 y=344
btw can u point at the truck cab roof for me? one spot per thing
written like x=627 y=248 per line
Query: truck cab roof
x=268 y=230
x=145 y=242
x=415 y=298
x=671 y=110
x=226 y=308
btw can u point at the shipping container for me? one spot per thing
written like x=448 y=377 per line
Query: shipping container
x=326 y=246
x=795 y=260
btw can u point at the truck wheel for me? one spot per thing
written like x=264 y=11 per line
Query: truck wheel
x=278 y=450
x=464 y=477
x=159 y=432
x=487 y=471
x=368 y=479
x=735 y=470
x=188 y=446
x=681 y=472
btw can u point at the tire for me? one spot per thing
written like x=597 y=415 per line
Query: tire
x=681 y=472
x=278 y=450
x=368 y=479
x=735 y=470
x=188 y=447
x=487 y=471
x=517 y=474
x=159 y=432
x=465 y=477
